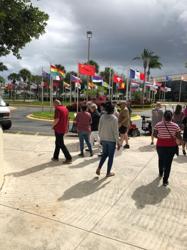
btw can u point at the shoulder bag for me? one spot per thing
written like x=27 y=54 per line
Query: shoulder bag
x=178 y=141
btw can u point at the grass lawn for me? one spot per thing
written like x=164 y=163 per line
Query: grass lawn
x=31 y=103
x=49 y=115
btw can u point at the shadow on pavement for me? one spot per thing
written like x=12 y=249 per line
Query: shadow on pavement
x=84 y=188
x=83 y=163
x=35 y=169
x=181 y=159
x=150 y=194
x=147 y=148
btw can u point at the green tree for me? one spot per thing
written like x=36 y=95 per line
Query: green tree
x=20 y=22
x=107 y=74
x=3 y=67
x=25 y=75
x=36 y=79
x=14 y=77
x=59 y=66
x=153 y=64
x=150 y=60
x=2 y=79
x=91 y=62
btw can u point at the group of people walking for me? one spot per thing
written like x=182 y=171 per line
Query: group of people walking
x=108 y=127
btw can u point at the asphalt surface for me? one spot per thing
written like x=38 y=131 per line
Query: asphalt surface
x=23 y=125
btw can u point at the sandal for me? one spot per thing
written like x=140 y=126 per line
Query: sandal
x=110 y=174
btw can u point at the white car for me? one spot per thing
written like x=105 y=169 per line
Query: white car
x=5 y=120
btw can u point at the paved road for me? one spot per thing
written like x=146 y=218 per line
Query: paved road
x=21 y=124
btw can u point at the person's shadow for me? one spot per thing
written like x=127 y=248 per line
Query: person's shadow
x=84 y=188
x=147 y=148
x=35 y=169
x=181 y=159
x=150 y=194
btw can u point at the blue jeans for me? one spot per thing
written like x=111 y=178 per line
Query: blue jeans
x=84 y=136
x=108 y=151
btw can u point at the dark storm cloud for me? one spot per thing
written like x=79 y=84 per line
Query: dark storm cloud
x=121 y=30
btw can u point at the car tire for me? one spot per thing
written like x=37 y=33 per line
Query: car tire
x=7 y=125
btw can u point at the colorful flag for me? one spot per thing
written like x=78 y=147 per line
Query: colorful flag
x=135 y=85
x=105 y=85
x=75 y=79
x=168 y=78
x=66 y=85
x=44 y=85
x=86 y=69
x=61 y=73
x=55 y=76
x=121 y=85
x=77 y=85
x=53 y=69
x=134 y=74
x=45 y=74
x=159 y=84
x=91 y=85
x=55 y=83
x=56 y=73
x=117 y=79
x=98 y=79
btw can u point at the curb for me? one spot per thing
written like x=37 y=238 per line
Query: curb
x=30 y=116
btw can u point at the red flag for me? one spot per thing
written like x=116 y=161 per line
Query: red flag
x=117 y=79
x=55 y=83
x=86 y=69
x=142 y=76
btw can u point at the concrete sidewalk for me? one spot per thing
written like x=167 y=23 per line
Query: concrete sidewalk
x=50 y=206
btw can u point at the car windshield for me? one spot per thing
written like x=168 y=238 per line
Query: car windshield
x=2 y=103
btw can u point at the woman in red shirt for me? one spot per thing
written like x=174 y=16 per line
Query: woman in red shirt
x=83 y=122
x=166 y=133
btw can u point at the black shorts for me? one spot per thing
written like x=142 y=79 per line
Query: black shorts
x=123 y=130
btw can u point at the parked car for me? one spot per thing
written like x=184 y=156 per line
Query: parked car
x=5 y=120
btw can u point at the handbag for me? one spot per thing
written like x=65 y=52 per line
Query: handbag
x=177 y=140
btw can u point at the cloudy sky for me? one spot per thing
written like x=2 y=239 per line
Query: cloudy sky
x=121 y=30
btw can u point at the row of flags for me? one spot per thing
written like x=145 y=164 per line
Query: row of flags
x=136 y=79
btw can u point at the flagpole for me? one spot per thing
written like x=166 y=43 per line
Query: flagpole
x=77 y=99
x=127 y=85
x=70 y=98
x=51 y=93
x=42 y=83
x=110 y=83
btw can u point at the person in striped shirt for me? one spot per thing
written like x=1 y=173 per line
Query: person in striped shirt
x=166 y=133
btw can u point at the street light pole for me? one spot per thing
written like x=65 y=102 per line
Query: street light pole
x=89 y=36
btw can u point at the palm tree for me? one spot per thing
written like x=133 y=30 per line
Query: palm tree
x=94 y=63
x=3 y=67
x=25 y=75
x=153 y=64
x=14 y=77
x=150 y=60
